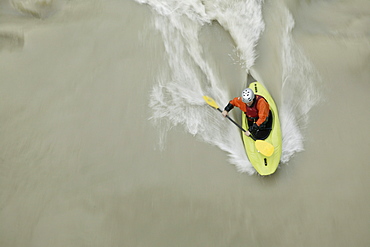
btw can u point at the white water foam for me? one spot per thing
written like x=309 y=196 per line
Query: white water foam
x=177 y=96
x=299 y=91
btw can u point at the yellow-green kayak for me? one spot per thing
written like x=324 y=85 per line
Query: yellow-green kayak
x=264 y=165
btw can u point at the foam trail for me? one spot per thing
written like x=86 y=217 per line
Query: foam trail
x=177 y=96
x=299 y=91
x=176 y=99
x=244 y=21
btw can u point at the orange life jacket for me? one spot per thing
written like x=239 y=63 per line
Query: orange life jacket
x=252 y=111
x=257 y=112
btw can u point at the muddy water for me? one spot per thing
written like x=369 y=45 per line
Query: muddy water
x=81 y=165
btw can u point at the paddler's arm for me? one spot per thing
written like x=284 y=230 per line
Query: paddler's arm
x=229 y=107
x=234 y=102
x=263 y=111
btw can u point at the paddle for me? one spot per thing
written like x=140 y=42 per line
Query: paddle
x=263 y=147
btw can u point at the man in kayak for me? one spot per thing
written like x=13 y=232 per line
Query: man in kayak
x=257 y=111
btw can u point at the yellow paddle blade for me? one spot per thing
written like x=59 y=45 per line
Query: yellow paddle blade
x=264 y=148
x=210 y=101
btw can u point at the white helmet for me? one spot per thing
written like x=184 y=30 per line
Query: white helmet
x=247 y=95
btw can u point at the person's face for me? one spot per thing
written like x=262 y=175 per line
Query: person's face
x=250 y=103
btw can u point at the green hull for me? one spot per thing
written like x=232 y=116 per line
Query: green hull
x=264 y=165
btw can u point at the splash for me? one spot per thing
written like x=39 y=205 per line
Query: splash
x=299 y=91
x=176 y=98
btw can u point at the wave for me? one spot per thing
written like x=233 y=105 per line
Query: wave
x=36 y=8
x=299 y=91
x=176 y=98
x=11 y=40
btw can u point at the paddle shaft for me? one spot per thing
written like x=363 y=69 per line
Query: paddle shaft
x=263 y=147
x=240 y=127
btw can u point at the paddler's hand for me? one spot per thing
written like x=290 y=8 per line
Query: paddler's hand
x=224 y=113
x=254 y=128
x=247 y=133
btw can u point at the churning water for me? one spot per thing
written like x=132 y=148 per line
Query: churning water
x=176 y=98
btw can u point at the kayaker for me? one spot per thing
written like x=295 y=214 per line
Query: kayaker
x=257 y=111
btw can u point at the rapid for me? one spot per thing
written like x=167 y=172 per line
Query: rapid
x=105 y=139
x=176 y=98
